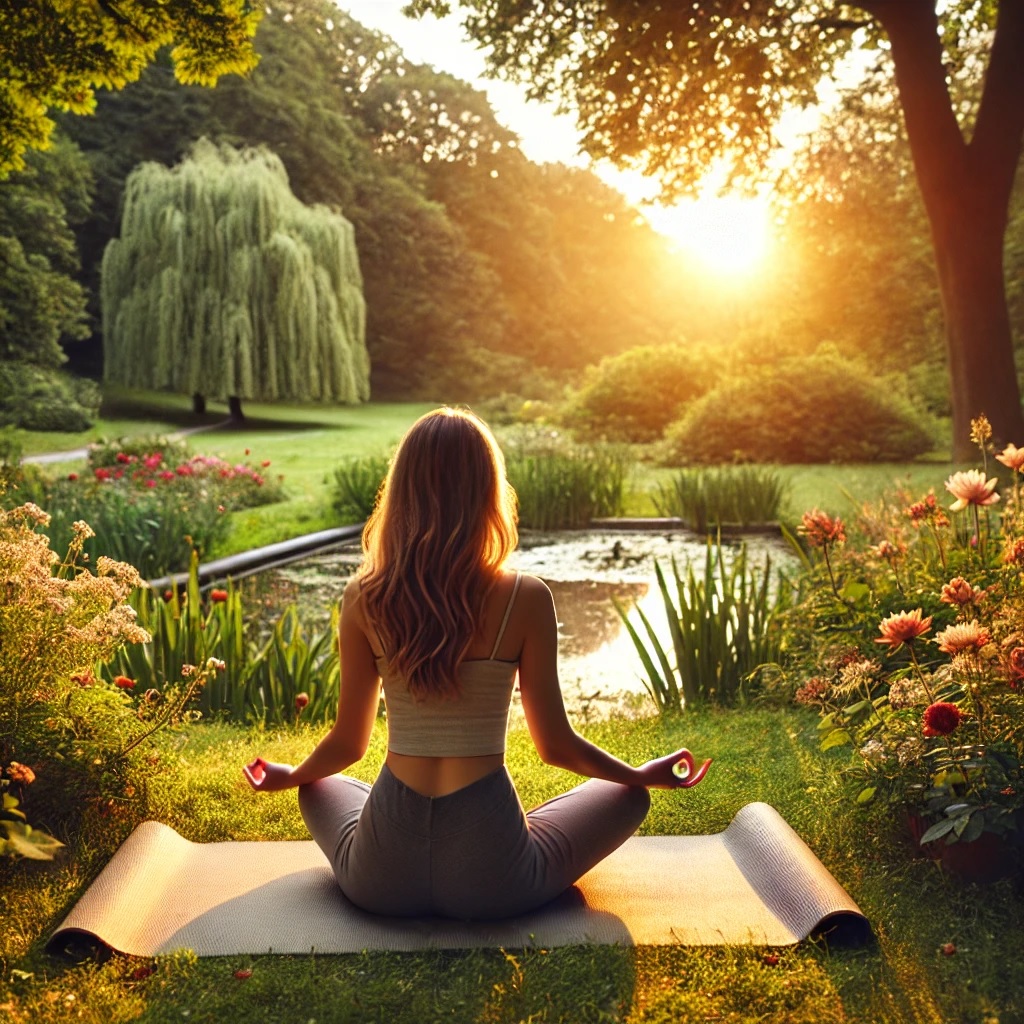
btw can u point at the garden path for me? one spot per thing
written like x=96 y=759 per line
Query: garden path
x=46 y=458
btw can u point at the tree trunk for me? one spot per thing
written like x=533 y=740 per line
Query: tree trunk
x=966 y=190
x=198 y=404
x=235 y=408
x=979 y=339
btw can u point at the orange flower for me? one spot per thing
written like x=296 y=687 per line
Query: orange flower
x=963 y=636
x=971 y=488
x=902 y=627
x=21 y=773
x=959 y=592
x=218 y=595
x=124 y=683
x=820 y=529
x=941 y=718
x=1013 y=457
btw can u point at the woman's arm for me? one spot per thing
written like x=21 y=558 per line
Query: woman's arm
x=359 y=698
x=557 y=742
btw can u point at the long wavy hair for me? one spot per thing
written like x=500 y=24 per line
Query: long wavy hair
x=439 y=536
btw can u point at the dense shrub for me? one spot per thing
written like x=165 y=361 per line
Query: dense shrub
x=355 y=486
x=819 y=408
x=40 y=398
x=635 y=395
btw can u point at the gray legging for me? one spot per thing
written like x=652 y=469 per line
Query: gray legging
x=472 y=854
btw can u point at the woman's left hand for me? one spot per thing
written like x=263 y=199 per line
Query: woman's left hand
x=267 y=776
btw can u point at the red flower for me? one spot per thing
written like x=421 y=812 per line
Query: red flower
x=265 y=463
x=83 y=678
x=243 y=974
x=941 y=718
x=151 y=483
x=902 y=627
x=123 y=682
x=165 y=474
x=218 y=595
x=122 y=457
x=301 y=700
x=142 y=972
x=820 y=529
x=152 y=461
x=72 y=476
x=102 y=474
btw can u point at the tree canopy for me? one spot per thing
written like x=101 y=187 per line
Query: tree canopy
x=672 y=88
x=56 y=53
x=222 y=283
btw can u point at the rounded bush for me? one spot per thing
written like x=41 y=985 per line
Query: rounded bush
x=39 y=398
x=806 y=409
x=635 y=395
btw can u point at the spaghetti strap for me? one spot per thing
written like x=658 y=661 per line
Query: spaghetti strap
x=508 y=612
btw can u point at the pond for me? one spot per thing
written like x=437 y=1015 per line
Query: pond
x=599 y=669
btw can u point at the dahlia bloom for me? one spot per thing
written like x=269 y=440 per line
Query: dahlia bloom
x=941 y=719
x=821 y=529
x=963 y=636
x=971 y=488
x=959 y=592
x=1013 y=457
x=902 y=627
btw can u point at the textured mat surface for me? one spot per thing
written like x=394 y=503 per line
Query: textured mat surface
x=757 y=882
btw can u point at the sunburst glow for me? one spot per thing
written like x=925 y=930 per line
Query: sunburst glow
x=728 y=234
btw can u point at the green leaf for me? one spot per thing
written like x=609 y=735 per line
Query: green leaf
x=866 y=795
x=938 y=830
x=24 y=840
x=855 y=592
x=839 y=738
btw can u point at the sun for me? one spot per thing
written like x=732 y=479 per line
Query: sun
x=729 y=234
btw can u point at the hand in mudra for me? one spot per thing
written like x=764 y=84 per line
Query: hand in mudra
x=674 y=771
x=267 y=776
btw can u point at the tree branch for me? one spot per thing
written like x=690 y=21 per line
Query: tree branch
x=999 y=128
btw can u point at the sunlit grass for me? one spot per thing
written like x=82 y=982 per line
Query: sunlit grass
x=761 y=754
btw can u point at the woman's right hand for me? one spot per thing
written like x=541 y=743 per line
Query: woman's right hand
x=673 y=771
x=267 y=776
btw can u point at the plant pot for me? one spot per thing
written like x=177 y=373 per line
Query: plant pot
x=987 y=859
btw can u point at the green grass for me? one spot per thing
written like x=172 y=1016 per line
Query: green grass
x=761 y=754
x=305 y=443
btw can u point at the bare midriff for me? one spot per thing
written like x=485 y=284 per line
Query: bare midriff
x=439 y=776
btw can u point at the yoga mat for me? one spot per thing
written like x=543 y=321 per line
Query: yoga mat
x=757 y=882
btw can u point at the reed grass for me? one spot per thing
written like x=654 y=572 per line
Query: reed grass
x=727 y=495
x=725 y=628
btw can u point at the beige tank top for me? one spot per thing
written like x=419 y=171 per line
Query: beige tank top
x=470 y=725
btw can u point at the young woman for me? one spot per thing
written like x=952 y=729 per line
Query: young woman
x=434 y=616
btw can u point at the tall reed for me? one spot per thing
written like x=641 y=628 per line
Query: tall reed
x=735 y=495
x=725 y=628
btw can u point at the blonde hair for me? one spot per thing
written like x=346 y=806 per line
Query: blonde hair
x=442 y=530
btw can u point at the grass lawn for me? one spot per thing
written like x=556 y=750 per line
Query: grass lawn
x=305 y=443
x=761 y=754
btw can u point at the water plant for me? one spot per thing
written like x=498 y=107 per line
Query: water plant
x=565 y=486
x=726 y=495
x=725 y=624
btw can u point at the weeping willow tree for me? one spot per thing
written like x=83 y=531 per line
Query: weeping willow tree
x=223 y=284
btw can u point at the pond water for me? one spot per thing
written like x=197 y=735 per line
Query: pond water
x=599 y=669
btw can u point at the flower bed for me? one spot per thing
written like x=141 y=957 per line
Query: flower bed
x=915 y=627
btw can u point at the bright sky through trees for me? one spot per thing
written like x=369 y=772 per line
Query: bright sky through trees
x=730 y=234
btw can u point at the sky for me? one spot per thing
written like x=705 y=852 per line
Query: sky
x=730 y=234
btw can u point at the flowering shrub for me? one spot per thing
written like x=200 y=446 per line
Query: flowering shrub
x=151 y=503
x=916 y=630
x=66 y=740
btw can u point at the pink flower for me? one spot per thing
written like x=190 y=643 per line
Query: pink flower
x=1013 y=457
x=902 y=627
x=152 y=461
x=820 y=529
x=151 y=484
x=971 y=488
x=959 y=592
x=941 y=719
x=963 y=636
